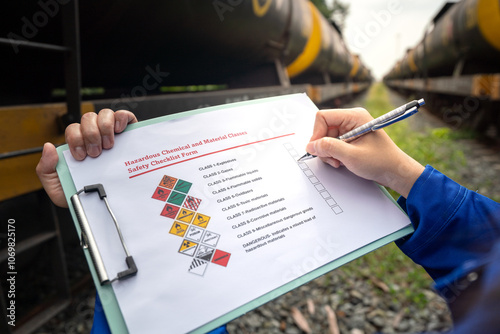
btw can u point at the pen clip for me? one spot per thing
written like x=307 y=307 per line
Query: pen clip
x=407 y=114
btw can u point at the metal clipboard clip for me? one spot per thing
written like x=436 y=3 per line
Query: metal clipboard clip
x=88 y=240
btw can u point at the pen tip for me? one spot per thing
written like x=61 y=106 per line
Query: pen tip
x=306 y=156
x=302 y=158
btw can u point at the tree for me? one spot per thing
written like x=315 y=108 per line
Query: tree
x=324 y=9
x=336 y=11
x=339 y=14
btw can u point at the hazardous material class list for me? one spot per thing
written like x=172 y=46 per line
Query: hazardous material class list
x=257 y=217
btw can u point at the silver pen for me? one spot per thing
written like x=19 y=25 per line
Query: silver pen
x=389 y=118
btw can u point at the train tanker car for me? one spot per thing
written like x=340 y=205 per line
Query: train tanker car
x=456 y=66
x=136 y=55
x=239 y=43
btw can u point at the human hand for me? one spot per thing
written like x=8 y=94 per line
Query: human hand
x=373 y=156
x=94 y=133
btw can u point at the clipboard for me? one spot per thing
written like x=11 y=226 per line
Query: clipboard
x=110 y=303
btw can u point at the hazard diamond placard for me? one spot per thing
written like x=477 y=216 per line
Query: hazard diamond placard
x=178 y=229
x=176 y=198
x=168 y=181
x=183 y=186
x=198 y=267
x=185 y=216
x=188 y=247
x=161 y=194
x=195 y=233
x=211 y=238
x=221 y=258
x=192 y=203
x=205 y=253
x=201 y=220
x=170 y=211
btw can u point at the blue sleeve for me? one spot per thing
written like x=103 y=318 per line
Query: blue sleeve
x=457 y=241
x=100 y=325
x=484 y=317
x=455 y=228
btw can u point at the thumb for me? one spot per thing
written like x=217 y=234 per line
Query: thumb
x=48 y=162
x=46 y=171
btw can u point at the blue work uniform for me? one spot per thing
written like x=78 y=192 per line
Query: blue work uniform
x=100 y=325
x=456 y=240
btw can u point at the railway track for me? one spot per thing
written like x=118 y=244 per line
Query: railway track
x=481 y=167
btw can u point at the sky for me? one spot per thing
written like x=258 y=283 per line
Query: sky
x=380 y=31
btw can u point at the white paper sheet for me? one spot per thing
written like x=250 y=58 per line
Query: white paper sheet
x=265 y=219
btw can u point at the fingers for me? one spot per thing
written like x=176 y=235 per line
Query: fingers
x=335 y=122
x=46 y=171
x=373 y=156
x=91 y=134
x=122 y=119
x=106 y=127
x=331 y=150
x=96 y=132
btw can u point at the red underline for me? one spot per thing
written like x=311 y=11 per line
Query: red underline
x=203 y=155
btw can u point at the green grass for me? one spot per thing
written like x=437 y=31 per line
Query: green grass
x=405 y=279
